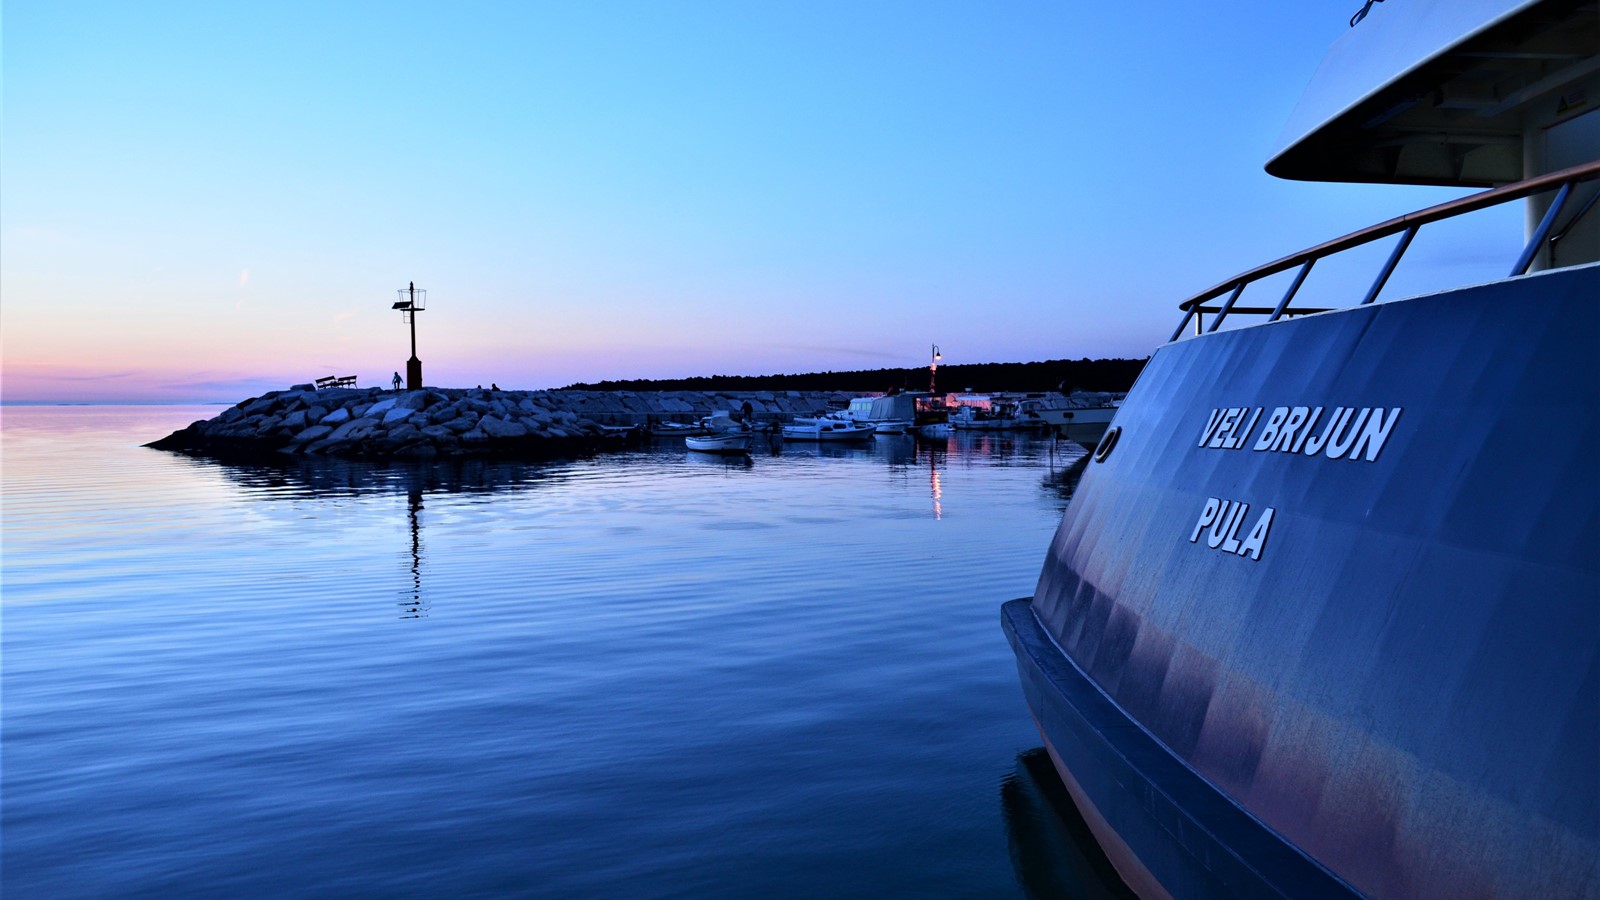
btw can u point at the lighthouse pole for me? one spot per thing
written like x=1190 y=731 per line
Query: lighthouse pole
x=411 y=302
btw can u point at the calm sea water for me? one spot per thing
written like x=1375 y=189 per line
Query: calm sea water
x=653 y=674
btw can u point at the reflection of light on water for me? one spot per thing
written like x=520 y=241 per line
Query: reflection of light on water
x=933 y=479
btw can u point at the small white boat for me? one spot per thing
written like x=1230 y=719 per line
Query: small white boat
x=892 y=427
x=824 y=428
x=728 y=442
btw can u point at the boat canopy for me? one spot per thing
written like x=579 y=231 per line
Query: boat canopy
x=900 y=407
x=1472 y=93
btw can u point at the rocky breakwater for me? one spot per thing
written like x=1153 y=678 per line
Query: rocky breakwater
x=454 y=422
x=375 y=423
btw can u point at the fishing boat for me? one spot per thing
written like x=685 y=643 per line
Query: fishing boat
x=1322 y=617
x=727 y=442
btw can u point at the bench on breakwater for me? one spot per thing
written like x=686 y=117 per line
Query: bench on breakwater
x=333 y=381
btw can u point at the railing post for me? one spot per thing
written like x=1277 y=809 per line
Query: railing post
x=1187 y=315
x=1388 y=267
x=1288 y=295
x=1537 y=241
x=1223 y=312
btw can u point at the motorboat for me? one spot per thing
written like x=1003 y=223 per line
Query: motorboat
x=1320 y=618
x=892 y=413
x=932 y=420
x=982 y=412
x=826 y=428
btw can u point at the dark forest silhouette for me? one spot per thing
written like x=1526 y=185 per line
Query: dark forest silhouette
x=1051 y=375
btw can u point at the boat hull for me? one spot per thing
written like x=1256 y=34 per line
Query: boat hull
x=730 y=444
x=1167 y=831
x=841 y=433
x=1396 y=677
x=1085 y=425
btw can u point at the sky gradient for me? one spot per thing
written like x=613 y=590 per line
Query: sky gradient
x=202 y=202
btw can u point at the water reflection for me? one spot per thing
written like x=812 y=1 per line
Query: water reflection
x=1068 y=462
x=728 y=462
x=321 y=480
x=1052 y=850
x=935 y=454
x=414 y=607
x=302 y=478
x=935 y=470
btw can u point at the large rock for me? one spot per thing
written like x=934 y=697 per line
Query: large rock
x=335 y=417
x=314 y=433
x=260 y=404
x=499 y=428
x=352 y=429
x=415 y=400
x=405 y=433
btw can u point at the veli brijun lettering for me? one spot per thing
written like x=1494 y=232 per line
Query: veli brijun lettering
x=1345 y=432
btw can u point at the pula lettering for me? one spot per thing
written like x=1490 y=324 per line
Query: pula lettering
x=1220 y=522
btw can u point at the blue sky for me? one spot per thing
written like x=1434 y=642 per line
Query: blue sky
x=204 y=201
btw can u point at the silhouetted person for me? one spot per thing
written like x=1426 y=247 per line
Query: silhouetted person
x=396 y=381
x=493 y=386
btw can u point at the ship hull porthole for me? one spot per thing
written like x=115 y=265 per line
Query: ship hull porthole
x=1108 y=442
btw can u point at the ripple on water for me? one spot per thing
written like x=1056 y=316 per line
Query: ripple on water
x=650 y=674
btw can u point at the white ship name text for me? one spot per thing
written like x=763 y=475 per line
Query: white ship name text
x=1344 y=432
x=1222 y=520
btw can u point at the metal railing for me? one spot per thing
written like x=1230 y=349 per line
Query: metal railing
x=1561 y=181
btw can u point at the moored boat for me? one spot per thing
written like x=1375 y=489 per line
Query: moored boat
x=826 y=428
x=892 y=413
x=1320 y=618
x=982 y=412
x=1082 y=417
x=677 y=429
x=727 y=442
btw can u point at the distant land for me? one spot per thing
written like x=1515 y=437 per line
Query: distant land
x=1115 y=375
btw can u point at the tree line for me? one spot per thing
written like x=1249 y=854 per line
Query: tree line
x=1115 y=375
